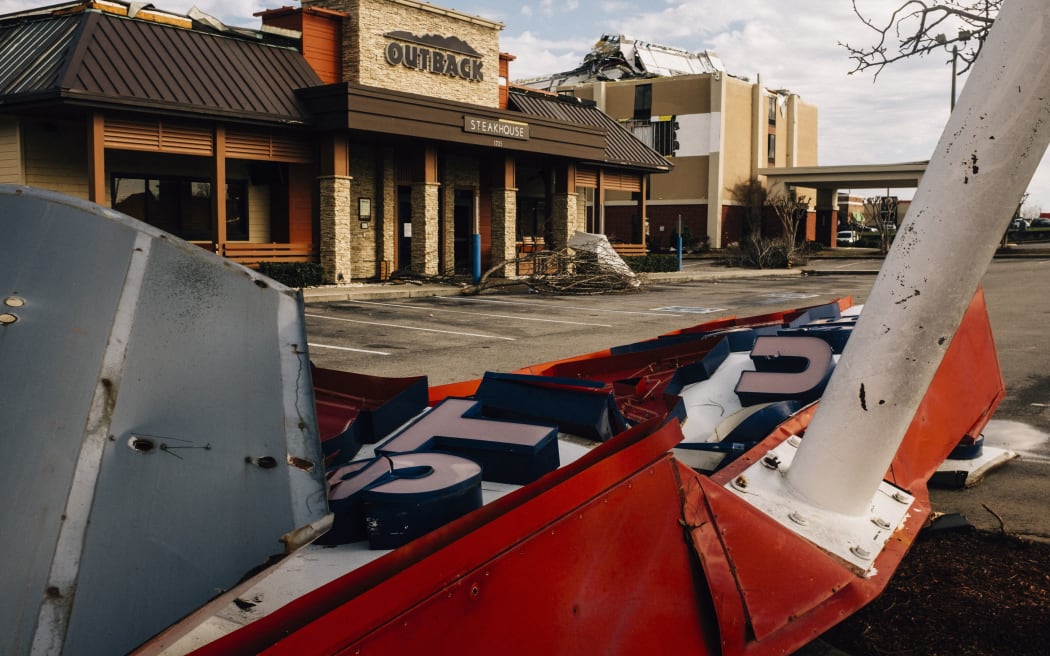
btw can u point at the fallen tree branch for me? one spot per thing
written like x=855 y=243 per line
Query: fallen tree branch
x=565 y=271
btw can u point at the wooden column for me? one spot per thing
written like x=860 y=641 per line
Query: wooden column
x=643 y=208
x=96 y=157
x=599 y=204
x=218 y=190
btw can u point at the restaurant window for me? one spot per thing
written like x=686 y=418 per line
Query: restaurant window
x=181 y=206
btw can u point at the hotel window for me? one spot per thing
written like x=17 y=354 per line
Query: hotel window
x=772 y=100
x=643 y=102
x=771 y=147
x=181 y=206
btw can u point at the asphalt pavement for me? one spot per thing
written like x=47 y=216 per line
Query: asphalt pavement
x=1014 y=497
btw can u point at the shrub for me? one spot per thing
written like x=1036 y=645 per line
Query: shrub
x=652 y=263
x=762 y=253
x=293 y=274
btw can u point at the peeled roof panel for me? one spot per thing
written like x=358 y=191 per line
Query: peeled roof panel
x=666 y=61
x=31 y=54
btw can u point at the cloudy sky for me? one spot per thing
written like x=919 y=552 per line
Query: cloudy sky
x=897 y=117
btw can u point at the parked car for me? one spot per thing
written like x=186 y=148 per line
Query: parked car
x=1040 y=223
x=1018 y=224
x=847 y=237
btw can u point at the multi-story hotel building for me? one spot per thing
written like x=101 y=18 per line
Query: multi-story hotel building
x=719 y=130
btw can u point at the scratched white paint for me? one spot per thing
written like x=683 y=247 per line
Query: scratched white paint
x=989 y=150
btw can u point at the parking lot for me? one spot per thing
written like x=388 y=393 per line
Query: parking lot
x=454 y=338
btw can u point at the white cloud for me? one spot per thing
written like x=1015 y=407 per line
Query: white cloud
x=794 y=45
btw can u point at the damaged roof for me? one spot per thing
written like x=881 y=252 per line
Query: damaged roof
x=621 y=147
x=616 y=57
x=99 y=58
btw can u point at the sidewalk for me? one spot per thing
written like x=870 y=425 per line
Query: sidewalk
x=695 y=271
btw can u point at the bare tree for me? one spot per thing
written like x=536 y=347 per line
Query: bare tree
x=751 y=194
x=923 y=27
x=881 y=212
x=791 y=210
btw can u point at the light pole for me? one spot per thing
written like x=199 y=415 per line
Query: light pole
x=955 y=58
x=964 y=36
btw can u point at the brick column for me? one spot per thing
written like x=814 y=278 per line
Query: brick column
x=387 y=217
x=504 y=229
x=563 y=218
x=447 y=230
x=335 y=228
x=425 y=227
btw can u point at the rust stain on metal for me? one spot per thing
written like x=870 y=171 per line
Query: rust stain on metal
x=300 y=463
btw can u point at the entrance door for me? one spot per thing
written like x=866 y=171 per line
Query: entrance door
x=404 y=228
x=462 y=229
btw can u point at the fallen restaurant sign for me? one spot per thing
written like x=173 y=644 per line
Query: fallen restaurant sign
x=591 y=490
x=601 y=493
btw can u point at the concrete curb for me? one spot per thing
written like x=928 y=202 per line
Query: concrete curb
x=379 y=291
x=376 y=291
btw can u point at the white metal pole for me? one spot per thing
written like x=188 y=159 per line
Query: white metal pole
x=986 y=156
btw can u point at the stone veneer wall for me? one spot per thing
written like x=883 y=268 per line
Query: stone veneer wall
x=387 y=247
x=504 y=229
x=563 y=219
x=461 y=172
x=335 y=246
x=364 y=46
x=363 y=242
x=425 y=228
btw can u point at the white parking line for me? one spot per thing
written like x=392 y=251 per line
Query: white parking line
x=345 y=348
x=394 y=325
x=483 y=314
x=689 y=310
x=866 y=262
x=553 y=306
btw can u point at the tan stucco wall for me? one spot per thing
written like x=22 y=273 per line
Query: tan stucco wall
x=682 y=94
x=807 y=134
x=739 y=143
x=364 y=47
x=688 y=180
x=619 y=99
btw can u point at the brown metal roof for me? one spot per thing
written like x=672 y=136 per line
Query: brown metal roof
x=366 y=110
x=621 y=147
x=104 y=60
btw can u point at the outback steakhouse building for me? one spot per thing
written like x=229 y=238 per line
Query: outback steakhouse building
x=367 y=135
